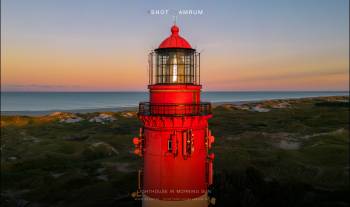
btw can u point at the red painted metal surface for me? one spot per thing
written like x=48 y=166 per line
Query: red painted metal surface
x=175 y=40
x=175 y=145
x=180 y=173
x=175 y=93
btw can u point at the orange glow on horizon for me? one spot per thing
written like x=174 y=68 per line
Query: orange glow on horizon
x=87 y=71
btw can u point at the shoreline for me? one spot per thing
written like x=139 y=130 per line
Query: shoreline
x=134 y=108
x=48 y=112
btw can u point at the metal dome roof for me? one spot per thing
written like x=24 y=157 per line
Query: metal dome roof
x=175 y=40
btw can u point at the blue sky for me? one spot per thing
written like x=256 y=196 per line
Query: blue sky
x=251 y=45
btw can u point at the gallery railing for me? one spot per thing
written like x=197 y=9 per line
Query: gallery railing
x=200 y=109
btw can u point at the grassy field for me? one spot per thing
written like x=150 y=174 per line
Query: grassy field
x=295 y=155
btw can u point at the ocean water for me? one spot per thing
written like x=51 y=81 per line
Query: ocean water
x=71 y=101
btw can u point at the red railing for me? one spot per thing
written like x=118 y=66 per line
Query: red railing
x=203 y=108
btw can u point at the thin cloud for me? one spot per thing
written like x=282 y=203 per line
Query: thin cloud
x=37 y=87
x=295 y=75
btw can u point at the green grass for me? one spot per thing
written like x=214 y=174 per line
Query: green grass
x=250 y=167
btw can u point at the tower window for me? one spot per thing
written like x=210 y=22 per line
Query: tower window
x=170 y=145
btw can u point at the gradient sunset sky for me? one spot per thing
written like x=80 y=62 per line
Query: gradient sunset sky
x=90 y=45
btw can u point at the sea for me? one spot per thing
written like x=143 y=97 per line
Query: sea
x=32 y=103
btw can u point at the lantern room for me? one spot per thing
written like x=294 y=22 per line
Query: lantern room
x=174 y=62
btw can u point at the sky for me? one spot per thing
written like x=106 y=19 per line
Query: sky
x=246 y=45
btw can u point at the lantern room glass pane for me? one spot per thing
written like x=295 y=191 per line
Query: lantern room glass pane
x=175 y=67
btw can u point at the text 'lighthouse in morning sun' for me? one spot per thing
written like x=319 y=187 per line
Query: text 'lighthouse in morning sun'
x=175 y=140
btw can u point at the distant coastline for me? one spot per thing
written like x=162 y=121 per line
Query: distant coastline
x=135 y=108
x=92 y=110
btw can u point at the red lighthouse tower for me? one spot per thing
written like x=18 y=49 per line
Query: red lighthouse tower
x=174 y=140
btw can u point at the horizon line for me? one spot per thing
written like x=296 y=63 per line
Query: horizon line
x=128 y=91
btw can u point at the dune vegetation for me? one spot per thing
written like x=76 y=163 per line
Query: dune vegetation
x=281 y=152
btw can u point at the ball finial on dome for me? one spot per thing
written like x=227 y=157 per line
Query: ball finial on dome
x=175 y=29
x=175 y=40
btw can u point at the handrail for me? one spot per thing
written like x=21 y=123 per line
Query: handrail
x=200 y=109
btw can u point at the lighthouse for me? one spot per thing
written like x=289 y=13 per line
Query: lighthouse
x=174 y=140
